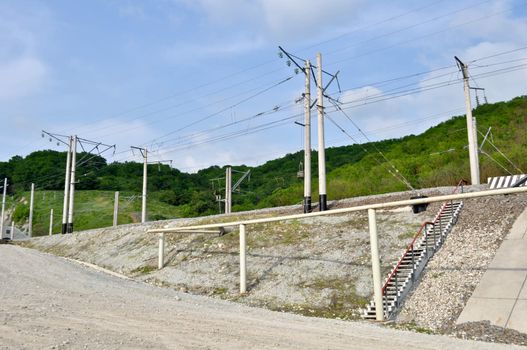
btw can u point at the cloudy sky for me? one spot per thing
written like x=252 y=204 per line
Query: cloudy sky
x=200 y=81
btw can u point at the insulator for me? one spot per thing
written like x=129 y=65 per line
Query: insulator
x=288 y=62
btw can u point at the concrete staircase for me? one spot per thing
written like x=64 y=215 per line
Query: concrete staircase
x=407 y=270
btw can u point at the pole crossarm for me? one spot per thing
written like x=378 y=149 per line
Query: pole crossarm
x=402 y=203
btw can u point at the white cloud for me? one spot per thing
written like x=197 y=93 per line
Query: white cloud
x=277 y=19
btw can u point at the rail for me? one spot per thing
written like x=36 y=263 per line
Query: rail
x=372 y=228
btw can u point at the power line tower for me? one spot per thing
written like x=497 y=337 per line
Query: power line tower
x=471 y=126
x=144 y=154
x=229 y=187
x=88 y=147
x=319 y=102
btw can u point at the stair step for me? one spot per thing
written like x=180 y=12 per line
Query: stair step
x=427 y=244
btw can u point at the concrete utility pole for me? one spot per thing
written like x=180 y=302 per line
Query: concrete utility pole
x=115 y=208
x=51 y=222
x=228 y=190
x=12 y=235
x=144 y=153
x=66 y=188
x=322 y=195
x=31 y=205
x=471 y=127
x=3 y=208
x=307 y=139
x=69 y=226
x=145 y=179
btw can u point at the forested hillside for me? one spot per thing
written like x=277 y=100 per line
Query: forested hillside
x=433 y=158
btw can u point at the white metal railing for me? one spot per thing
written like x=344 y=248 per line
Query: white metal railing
x=376 y=270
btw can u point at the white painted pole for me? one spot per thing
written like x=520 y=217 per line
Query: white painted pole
x=243 y=261
x=31 y=205
x=3 y=209
x=145 y=174
x=228 y=190
x=66 y=189
x=12 y=230
x=161 y=256
x=115 y=208
x=472 y=136
x=307 y=140
x=322 y=195
x=51 y=222
x=375 y=266
x=471 y=128
x=71 y=203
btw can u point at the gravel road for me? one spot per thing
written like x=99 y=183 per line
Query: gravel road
x=52 y=303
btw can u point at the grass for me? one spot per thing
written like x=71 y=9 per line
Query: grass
x=342 y=304
x=93 y=209
x=144 y=270
x=411 y=326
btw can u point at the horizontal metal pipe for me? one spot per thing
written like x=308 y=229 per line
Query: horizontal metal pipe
x=350 y=209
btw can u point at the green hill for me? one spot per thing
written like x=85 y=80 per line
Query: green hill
x=434 y=158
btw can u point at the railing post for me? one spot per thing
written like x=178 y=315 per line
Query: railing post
x=376 y=266
x=243 y=261
x=413 y=275
x=161 y=257
x=396 y=289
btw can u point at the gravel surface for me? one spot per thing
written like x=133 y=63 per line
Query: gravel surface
x=51 y=303
x=317 y=266
x=455 y=270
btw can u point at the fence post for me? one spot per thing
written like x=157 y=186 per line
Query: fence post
x=51 y=222
x=243 y=260
x=375 y=266
x=115 y=208
x=161 y=258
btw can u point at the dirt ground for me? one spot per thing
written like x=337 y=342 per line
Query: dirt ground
x=48 y=302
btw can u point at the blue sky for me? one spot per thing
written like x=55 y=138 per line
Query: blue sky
x=171 y=74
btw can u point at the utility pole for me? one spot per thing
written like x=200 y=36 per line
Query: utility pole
x=319 y=101
x=307 y=139
x=144 y=153
x=66 y=188
x=471 y=127
x=69 y=226
x=115 y=208
x=322 y=195
x=69 y=181
x=228 y=190
x=12 y=230
x=3 y=208
x=31 y=204
x=51 y=222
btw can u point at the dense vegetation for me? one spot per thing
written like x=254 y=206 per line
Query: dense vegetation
x=352 y=170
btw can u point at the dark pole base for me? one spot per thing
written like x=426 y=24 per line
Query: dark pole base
x=307 y=205
x=70 y=227
x=64 y=229
x=323 y=202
